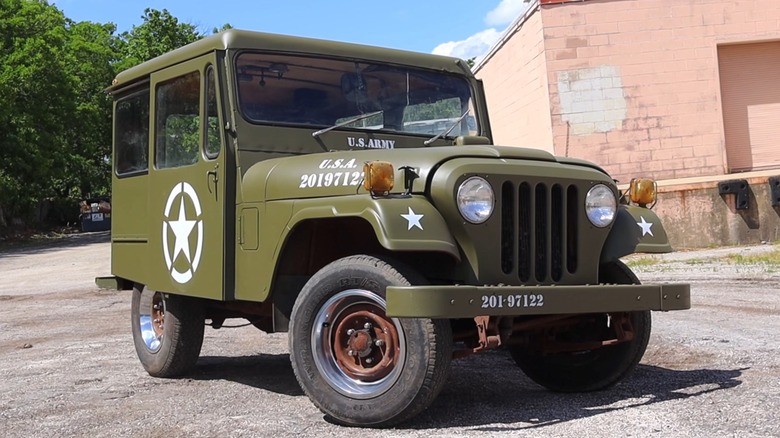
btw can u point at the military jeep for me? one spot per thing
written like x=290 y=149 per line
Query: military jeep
x=353 y=197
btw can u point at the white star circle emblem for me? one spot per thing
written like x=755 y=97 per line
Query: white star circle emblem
x=182 y=229
x=413 y=219
x=645 y=226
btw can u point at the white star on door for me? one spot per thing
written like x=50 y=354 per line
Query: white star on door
x=413 y=219
x=645 y=226
x=182 y=228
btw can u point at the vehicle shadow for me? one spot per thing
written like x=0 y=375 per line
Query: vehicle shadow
x=488 y=389
x=270 y=372
x=492 y=391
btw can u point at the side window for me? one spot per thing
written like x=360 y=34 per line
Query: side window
x=177 y=121
x=131 y=133
x=212 y=120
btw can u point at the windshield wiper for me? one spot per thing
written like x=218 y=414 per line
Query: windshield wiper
x=447 y=132
x=316 y=134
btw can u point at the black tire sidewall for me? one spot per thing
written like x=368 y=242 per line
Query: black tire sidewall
x=600 y=368
x=175 y=355
x=384 y=408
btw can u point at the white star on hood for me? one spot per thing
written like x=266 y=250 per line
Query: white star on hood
x=413 y=219
x=645 y=226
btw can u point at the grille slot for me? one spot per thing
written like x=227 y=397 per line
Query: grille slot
x=539 y=231
x=507 y=227
x=525 y=224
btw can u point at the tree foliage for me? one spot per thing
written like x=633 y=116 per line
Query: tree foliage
x=36 y=93
x=159 y=33
x=55 y=117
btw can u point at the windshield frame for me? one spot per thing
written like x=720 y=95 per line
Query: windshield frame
x=421 y=84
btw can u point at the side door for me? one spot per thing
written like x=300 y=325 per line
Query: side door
x=186 y=181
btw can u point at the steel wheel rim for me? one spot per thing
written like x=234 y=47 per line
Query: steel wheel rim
x=151 y=319
x=346 y=351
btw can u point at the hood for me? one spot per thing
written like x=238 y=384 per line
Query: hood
x=341 y=173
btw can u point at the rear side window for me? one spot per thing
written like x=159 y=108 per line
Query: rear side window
x=131 y=133
x=213 y=140
x=178 y=121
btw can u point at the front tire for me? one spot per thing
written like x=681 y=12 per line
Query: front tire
x=595 y=369
x=167 y=331
x=357 y=365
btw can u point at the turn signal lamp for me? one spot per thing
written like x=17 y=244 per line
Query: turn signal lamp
x=378 y=177
x=642 y=191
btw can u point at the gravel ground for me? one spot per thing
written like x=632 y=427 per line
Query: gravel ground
x=68 y=367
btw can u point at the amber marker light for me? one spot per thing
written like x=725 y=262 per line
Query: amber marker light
x=642 y=191
x=379 y=177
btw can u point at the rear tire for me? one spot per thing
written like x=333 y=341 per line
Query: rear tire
x=596 y=369
x=167 y=331
x=358 y=366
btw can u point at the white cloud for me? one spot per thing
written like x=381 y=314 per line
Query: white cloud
x=506 y=12
x=476 y=45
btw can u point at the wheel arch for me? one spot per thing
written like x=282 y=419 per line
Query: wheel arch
x=319 y=233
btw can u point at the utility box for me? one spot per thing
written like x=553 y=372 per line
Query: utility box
x=95 y=214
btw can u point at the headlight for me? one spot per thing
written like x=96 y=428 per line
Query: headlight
x=600 y=205
x=475 y=200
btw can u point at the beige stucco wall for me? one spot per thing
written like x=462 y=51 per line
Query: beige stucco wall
x=634 y=84
x=515 y=80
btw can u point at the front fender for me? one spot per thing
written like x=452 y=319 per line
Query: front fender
x=636 y=229
x=276 y=221
x=407 y=223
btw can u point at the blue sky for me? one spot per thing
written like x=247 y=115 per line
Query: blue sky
x=464 y=28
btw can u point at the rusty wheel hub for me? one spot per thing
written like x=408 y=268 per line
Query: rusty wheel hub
x=158 y=314
x=357 y=348
x=365 y=343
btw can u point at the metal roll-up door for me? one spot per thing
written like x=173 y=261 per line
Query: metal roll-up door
x=750 y=94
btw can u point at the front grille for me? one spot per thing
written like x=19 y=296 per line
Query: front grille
x=539 y=231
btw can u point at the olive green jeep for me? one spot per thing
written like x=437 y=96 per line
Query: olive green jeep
x=352 y=196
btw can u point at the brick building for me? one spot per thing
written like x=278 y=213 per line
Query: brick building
x=684 y=91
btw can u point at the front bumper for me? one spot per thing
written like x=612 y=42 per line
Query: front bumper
x=471 y=301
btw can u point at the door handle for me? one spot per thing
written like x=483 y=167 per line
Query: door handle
x=213 y=176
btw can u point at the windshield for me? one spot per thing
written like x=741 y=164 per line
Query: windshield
x=324 y=93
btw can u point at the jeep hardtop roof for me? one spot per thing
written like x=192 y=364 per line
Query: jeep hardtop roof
x=234 y=39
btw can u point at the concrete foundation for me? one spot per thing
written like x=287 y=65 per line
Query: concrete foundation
x=696 y=215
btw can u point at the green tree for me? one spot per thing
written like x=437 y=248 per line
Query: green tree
x=55 y=131
x=35 y=92
x=91 y=53
x=55 y=117
x=225 y=26
x=159 y=33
